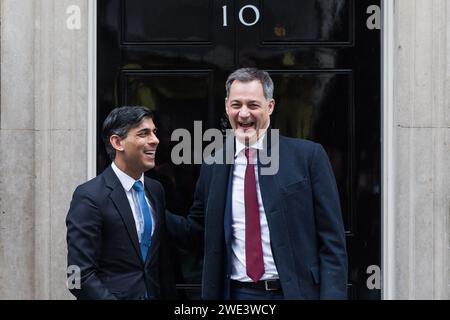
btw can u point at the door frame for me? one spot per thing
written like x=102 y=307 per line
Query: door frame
x=387 y=133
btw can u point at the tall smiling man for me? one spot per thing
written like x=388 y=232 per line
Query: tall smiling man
x=116 y=221
x=266 y=236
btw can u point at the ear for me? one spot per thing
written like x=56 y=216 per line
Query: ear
x=271 y=106
x=116 y=142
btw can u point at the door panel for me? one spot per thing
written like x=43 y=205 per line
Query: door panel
x=174 y=57
x=314 y=21
x=316 y=106
x=153 y=21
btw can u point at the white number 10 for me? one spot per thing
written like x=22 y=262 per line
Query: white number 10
x=241 y=17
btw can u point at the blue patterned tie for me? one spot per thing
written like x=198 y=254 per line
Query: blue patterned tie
x=146 y=213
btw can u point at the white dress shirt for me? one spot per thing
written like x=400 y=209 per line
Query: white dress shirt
x=132 y=196
x=238 y=269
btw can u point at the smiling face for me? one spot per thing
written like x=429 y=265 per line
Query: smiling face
x=136 y=152
x=248 y=110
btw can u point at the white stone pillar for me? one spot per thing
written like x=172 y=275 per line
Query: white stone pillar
x=17 y=178
x=44 y=120
x=422 y=157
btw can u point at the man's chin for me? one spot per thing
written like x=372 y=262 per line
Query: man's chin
x=246 y=137
x=149 y=166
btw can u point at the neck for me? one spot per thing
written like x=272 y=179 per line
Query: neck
x=123 y=166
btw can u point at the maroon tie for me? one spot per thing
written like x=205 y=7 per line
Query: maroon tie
x=253 y=247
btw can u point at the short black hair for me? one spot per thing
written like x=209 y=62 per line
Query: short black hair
x=120 y=121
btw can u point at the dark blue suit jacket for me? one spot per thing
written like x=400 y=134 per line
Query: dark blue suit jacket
x=301 y=203
x=102 y=240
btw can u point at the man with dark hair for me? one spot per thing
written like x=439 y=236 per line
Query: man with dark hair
x=266 y=236
x=116 y=222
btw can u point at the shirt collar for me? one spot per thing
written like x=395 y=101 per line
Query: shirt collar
x=257 y=145
x=126 y=181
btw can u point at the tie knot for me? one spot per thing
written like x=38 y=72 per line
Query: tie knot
x=138 y=186
x=249 y=152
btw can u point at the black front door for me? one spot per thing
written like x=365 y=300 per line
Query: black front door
x=174 y=56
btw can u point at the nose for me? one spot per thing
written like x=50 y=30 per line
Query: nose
x=243 y=112
x=153 y=139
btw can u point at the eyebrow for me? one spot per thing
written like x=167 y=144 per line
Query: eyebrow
x=239 y=101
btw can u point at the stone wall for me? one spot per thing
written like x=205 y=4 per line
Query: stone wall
x=422 y=143
x=43 y=132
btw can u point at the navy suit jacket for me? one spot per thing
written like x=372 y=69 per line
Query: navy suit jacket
x=102 y=240
x=303 y=213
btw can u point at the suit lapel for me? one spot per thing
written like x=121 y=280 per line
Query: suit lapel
x=276 y=213
x=268 y=183
x=120 y=200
